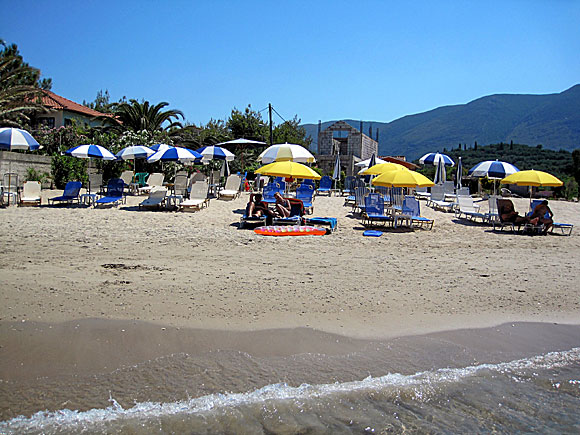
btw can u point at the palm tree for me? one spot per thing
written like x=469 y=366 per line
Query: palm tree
x=18 y=98
x=138 y=116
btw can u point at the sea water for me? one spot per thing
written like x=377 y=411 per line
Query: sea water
x=538 y=393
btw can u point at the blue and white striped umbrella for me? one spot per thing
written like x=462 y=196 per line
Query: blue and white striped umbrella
x=175 y=154
x=433 y=159
x=134 y=152
x=492 y=169
x=458 y=174
x=215 y=152
x=91 y=151
x=160 y=147
x=440 y=174
x=16 y=139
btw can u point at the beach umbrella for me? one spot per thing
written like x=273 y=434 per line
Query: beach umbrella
x=440 y=175
x=160 y=147
x=380 y=168
x=532 y=178
x=242 y=144
x=286 y=152
x=402 y=179
x=288 y=169
x=493 y=169
x=17 y=139
x=336 y=172
x=366 y=162
x=174 y=154
x=215 y=152
x=434 y=158
x=225 y=170
x=458 y=174
x=90 y=151
x=134 y=152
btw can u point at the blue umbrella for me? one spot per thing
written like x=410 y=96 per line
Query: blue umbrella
x=215 y=152
x=16 y=139
x=90 y=151
x=434 y=158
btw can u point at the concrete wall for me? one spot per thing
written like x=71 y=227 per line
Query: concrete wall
x=17 y=162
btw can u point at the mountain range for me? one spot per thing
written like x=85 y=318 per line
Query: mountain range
x=552 y=120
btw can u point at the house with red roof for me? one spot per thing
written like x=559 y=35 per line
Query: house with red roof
x=63 y=112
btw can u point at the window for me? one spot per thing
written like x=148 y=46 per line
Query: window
x=46 y=122
x=67 y=122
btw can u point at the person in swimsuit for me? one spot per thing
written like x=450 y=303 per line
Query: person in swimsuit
x=508 y=214
x=256 y=208
x=539 y=216
x=282 y=205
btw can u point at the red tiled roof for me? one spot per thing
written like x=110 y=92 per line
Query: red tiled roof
x=53 y=101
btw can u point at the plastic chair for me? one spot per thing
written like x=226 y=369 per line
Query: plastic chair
x=412 y=208
x=31 y=193
x=268 y=193
x=325 y=185
x=374 y=211
x=305 y=193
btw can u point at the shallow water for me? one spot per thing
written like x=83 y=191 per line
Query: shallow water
x=353 y=393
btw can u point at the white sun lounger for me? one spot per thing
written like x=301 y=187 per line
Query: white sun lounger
x=232 y=188
x=466 y=209
x=156 y=198
x=30 y=193
x=197 y=197
x=154 y=180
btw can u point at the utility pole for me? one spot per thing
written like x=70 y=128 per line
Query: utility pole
x=271 y=132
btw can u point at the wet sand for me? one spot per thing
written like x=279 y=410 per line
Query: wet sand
x=135 y=281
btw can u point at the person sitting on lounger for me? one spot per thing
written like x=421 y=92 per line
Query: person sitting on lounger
x=282 y=205
x=508 y=214
x=256 y=208
x=539 y=216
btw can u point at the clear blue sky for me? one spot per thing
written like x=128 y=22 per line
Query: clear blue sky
x=371 y=60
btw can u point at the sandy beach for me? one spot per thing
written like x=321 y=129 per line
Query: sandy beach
x=155 y=274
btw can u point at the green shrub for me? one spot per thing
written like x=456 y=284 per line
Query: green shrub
x=34 y=175
x=65 y=168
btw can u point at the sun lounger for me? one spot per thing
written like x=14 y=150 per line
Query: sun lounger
x=466 y=209
x=374 y=211
x=70 y=194
x=501 y=207
x=411 y=208
x=360 y=194
x=154 y=180
x=325 y=185
x=566 y=229
x=437 y=200
x=156 y=198
x=296 y=214
x=492 y=216
x=326 y=221
x=348 y=185
x=197 y=197
x=268 y=193
x=30 y=193
x=114 y=194
x=305 y=194
x=232 y=188
x=421 y=193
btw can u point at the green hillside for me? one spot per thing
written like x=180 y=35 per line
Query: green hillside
x=552 y=120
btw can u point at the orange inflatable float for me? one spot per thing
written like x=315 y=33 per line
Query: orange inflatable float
x=293 y=230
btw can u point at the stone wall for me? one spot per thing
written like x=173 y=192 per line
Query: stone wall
x=19 y=162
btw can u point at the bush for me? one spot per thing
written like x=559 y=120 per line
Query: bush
x=34 y=175
x=65 y=168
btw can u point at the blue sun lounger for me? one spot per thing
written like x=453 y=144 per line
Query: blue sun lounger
x=70 y=194
x=374 y=211
x=325 y=185
x=114 y=193
x=304 y=193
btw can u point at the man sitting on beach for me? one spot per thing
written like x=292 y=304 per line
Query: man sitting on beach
x=508 y=214
x=539 y=216
x=256 y=208
x=282 y=205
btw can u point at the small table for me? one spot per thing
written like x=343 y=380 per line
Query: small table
x=88 y=199
x=173 y=201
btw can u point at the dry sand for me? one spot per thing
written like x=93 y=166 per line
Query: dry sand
x=199 y=270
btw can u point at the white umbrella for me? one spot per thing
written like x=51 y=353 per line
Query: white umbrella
x=242 y=143
x=16 y=139
x=215 y=152
x=440 y=175
x=366 y=162
x=133 y=153
x=286 y=152
x=336 y=172
x=458 y=174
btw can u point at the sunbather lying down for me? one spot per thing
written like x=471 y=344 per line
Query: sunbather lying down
x=508 y=214
x=283 y=206
x=257 y=208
